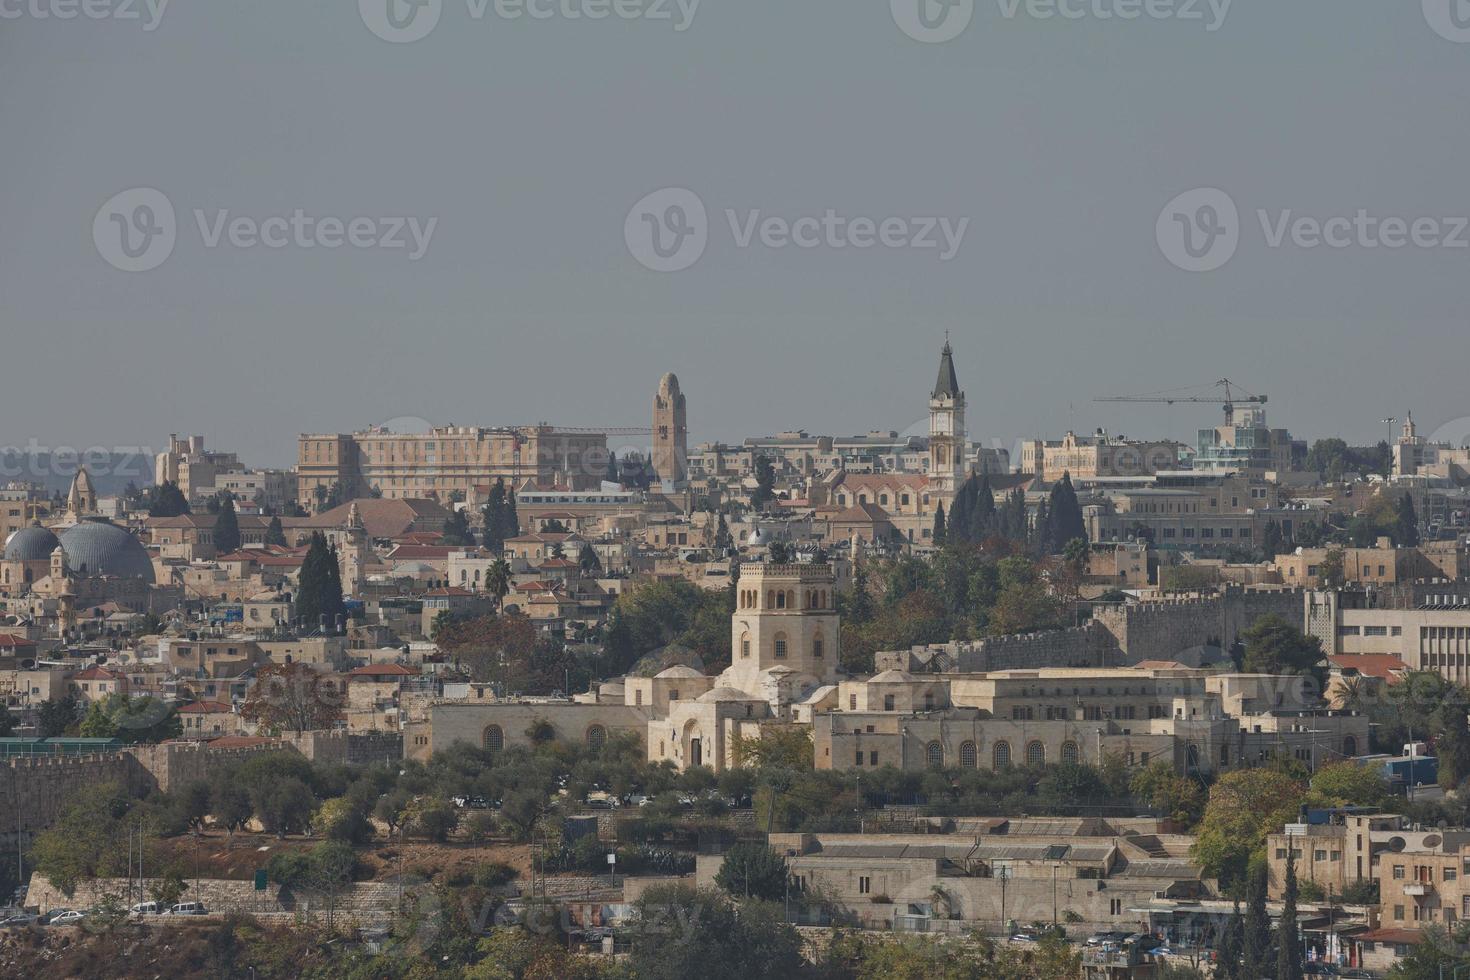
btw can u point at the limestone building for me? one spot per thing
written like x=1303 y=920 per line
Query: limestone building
x=670 y=433
x=947 y=456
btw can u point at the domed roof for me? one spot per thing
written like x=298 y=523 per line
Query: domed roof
x=102 y=548
x=892 y=677
x=33 y=543
x=668 y=384
x=757 y=538
x=725 y=693
x=677 y=671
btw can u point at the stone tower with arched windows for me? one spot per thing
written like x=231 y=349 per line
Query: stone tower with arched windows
x=784 y=631
x=948 y=467
x=670 y=432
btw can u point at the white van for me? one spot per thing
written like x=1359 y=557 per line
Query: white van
x=145 y=908
x=188 y=908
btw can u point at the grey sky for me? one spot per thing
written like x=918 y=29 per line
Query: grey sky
x=529 y=141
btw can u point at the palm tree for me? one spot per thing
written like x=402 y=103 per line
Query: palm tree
x=497 y=582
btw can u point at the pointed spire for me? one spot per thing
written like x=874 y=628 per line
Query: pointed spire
x=948 y=386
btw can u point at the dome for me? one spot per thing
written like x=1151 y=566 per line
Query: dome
x=33 y=543
x=757 y=538
x=677 y=671
x=725 y=693
x=105 y=549
x=892 y=677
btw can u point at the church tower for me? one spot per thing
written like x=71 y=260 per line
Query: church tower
x=784 y=633
x=947 y=464
x=670 y=433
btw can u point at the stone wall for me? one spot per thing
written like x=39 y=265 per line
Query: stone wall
x=32 y=790
x=1160 y=630
x=347 y=748
x=370 y=899
x=173 y=764
x=1082 y=646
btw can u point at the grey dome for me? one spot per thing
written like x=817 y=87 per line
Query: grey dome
x=33 y=543
x=105 y=549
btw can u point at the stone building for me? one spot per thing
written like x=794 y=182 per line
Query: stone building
x=670 y=433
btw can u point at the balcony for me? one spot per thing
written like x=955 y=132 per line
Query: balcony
x=1418 y=889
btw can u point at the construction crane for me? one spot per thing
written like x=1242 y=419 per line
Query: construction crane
x=1234 y=395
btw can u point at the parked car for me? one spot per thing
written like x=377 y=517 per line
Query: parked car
x=188 y=908
x=1023 y=937
x=1102 y=938
x=1144 y=941
x=66 y=917
x=18 y=920
x=145 y=908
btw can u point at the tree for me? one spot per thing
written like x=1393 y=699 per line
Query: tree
x=1231 y=948
x=227 y=527
x=1243 y=807
x=7 y=722
x=167 y=500
x=1272 y=541
x=499 y=516
x=1163 y=790
x=679 y=932
x=588 y=560
x=86 y=840
x=434 y=818
x=291 y=697
x=611 y=476
x=765 y=483
x=1288 y=943
x=1256 y=954
x=284 y=806
x=319 y=586
x=1064 y=514
x=939 y=532
x=457 y=533
x=1406 y=525
x=1332 y=572
x=275 y=534
x=497 y=582
x=752 y=870
x=724 y=540
x=1349 y=784
x=1274 y=646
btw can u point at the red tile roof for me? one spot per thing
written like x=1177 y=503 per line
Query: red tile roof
x=1384 y=666
x=97 y=674
x=11 y=641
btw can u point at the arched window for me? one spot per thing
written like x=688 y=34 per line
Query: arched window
x=791 y=599
x=744 y=645
x=493 y=738
x=1035 y=754
x=1069 y=754
x=967 y=755
x=770 y=598
x=818 y=648
x=780 y=600
x=596 y=736
x=934 y=755
x=1349 y=746
x=1001 y=755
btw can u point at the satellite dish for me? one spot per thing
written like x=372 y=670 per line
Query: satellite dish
x=1432 y=840
x=1396 y=844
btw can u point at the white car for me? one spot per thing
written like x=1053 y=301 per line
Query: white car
x=188 y=908
x=68 y=918
x=145 y=908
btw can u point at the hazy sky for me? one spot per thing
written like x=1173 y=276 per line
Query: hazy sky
x=1060 y=139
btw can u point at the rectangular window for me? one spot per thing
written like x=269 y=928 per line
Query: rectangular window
x=852 y=702
x=859 y=760
x=872 y=758
x=1398 y=872
x=780 y=649
x=865 y=885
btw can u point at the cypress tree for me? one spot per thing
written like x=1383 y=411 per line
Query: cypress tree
x=982 y=522
x=1288 y=944
x=1256 y=941
x=939 y=526
x=332 y=603
x=1064 y=514
x=1406 y=528
x=275 y=534
x=1227 y=965
x=311 y=583
x=226 y=528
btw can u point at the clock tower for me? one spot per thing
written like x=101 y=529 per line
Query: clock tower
x=948 y=467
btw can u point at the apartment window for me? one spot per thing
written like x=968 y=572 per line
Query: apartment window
x=865 y=885
x=1281 y=854
x=852 y=702
x=888 y=702
x=1319 y=855
x=872 y=758
x=859 y=759
x=1375 y=630
x=1398 y=912
x=1450 y=874
x=1115 y=906
x=1398 y=872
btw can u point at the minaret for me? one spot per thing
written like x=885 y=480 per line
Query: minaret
x=670 y=433
x=947 y=465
